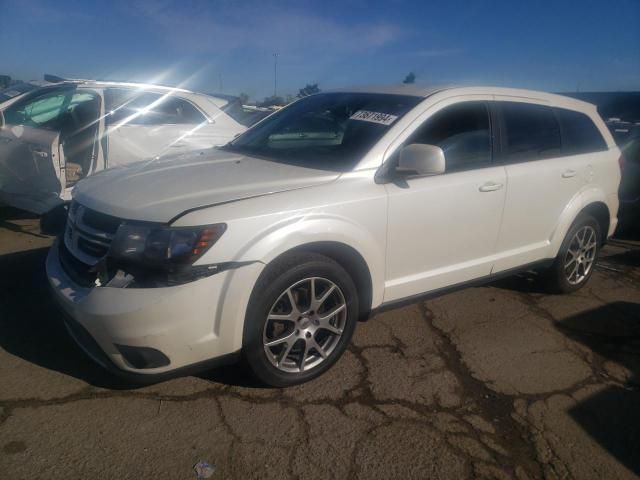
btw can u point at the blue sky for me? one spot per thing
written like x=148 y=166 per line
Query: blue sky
x=557 y=45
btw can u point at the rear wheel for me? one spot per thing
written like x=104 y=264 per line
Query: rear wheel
x=577 y=257
x=301 y=317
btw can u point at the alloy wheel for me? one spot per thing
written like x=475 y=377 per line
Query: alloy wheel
x=305 y=325
x=580 y=255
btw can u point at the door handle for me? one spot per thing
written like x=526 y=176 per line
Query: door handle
x=569 y=173
x=40 y=153
x=490 y=187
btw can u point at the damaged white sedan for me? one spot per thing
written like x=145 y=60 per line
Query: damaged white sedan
x=57 y=135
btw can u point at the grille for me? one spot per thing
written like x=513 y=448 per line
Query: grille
x=81 y=273
x=89 y=234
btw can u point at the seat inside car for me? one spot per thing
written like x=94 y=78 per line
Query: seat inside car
x=78 y=137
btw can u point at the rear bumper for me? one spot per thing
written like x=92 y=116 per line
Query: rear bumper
x=188 y=327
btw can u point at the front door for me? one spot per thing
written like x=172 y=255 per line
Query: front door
x=48 y=141
x=442 y=229
x=31 y=163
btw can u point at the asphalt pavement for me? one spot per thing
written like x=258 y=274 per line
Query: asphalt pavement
x=502 y=381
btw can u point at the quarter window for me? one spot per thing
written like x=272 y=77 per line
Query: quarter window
x=532 y=131
x=579 y=134
x=462 y=132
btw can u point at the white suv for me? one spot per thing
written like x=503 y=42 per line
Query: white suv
x=275 y=245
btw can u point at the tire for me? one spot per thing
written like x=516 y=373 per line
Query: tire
x=291 y=356
x=566 y=277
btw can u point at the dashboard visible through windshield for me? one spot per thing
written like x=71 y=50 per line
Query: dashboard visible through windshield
x=329 y=131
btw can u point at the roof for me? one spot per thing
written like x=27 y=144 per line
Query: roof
x=429 y=90
x=145 y=86
x=403 y=89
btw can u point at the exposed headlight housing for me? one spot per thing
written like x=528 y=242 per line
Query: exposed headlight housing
x=159 y=246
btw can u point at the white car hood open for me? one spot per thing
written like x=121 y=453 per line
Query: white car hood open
x=161 y=189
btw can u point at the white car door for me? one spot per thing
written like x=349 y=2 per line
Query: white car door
x=31 y=162
x=541 y=181
x=50 y=140
x=152 y=124
x=30 y=168
x=442 y=229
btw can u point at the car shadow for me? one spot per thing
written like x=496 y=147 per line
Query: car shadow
x=8 y=216
x=525 y=282
x=31 y=326
x=611 y=416
x=237 y=375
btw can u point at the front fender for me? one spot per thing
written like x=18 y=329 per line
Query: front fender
x=299 y=231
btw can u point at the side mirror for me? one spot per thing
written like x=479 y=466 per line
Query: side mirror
x=421 y=160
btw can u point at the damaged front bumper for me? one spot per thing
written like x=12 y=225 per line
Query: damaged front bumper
x=145 y=332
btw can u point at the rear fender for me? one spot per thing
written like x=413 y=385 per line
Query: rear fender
x=588 y=195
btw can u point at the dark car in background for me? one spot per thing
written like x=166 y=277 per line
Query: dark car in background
x=627 y=136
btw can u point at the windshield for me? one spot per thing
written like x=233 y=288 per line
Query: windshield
x=329 y=131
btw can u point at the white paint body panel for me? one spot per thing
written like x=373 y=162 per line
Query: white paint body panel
x=441 y=231
x=431 y=233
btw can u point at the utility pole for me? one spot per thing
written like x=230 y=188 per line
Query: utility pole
x=275 y=74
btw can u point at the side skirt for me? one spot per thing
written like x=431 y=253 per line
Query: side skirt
x=540 y=264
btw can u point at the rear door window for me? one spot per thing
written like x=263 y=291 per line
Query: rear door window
x=530 y=132
x=579 y=134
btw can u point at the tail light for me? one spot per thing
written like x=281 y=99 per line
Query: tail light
x=621 y=162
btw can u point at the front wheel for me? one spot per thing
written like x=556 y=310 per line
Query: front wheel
x=300 y=319
x=577 y=257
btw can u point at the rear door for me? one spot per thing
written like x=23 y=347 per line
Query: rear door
x=542 y=179
x=31 y=163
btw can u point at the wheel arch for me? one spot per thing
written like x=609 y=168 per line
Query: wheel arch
x=600 y=212
x=591 y=201
x=358 y=249
x=354 y=264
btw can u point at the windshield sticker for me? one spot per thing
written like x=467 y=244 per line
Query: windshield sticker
x=374 y=117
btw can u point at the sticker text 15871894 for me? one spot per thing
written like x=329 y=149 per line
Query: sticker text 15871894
x=374 y=117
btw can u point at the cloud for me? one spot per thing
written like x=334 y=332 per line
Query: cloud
x=224 y=26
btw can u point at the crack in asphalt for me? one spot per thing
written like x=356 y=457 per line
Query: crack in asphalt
x=490 y=404
x=529 y=443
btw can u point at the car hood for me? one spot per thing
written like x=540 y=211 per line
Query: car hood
x=159 y=190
